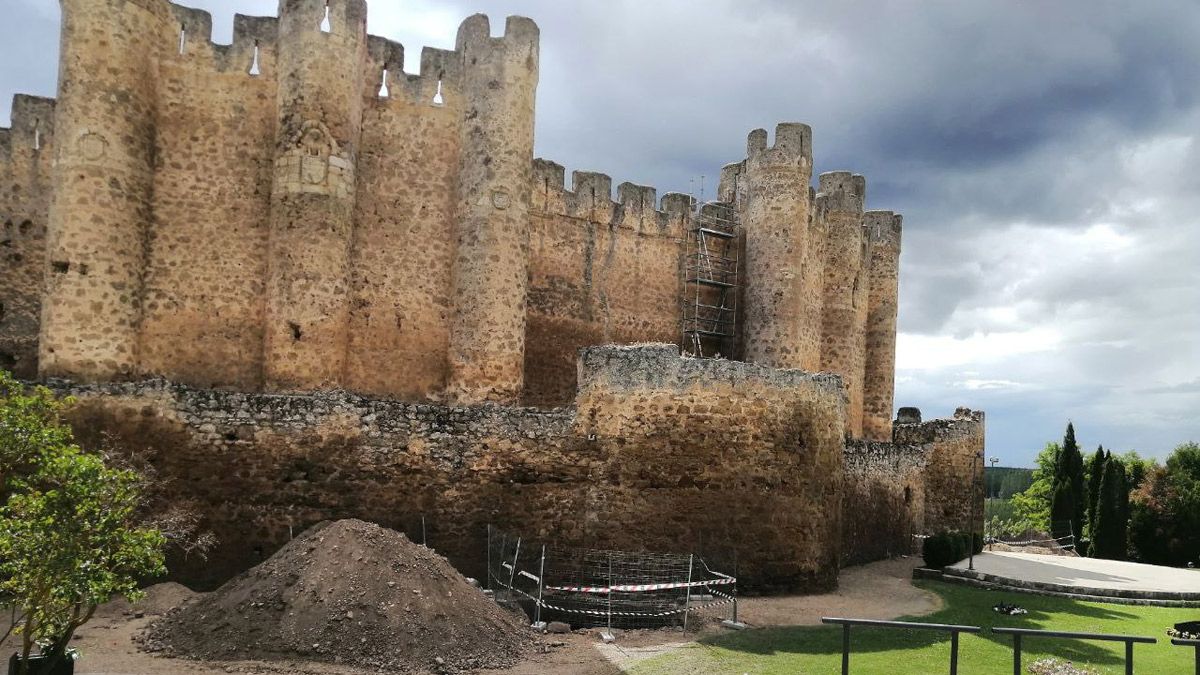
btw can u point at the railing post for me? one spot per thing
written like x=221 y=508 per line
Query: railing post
x=845 y=649
x=954 y=653
x=687 y=598
x=489 y=557
x=1016 y=655
x=1128 y=657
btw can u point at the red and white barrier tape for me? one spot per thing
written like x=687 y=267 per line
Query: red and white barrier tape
x=640 y=588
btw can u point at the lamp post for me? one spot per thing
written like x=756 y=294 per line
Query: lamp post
x=976 y=470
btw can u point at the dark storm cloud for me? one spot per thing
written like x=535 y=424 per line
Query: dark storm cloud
x=1045 y=156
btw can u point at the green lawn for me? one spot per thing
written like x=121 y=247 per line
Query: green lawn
x=816 y=650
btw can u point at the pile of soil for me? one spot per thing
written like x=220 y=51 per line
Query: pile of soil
x=348 y=592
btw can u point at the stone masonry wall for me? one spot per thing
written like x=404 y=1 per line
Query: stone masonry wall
x=26 y=150
x=601 y=272
x=883 y=503
x=954 y=475
x=660 y=453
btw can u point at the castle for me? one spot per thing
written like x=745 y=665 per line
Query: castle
x=306 y=284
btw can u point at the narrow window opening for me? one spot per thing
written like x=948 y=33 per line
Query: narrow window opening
x=326 y=26
x=37 y=134
x=907 y=495
x=296 y=332
x=437 y=97
x=182 y=39
x=254 y=67
x=383 y=88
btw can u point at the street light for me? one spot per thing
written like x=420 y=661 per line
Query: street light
x=976 y=466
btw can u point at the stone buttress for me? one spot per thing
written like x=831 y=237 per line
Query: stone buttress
x=101 y=205
x=490 y=274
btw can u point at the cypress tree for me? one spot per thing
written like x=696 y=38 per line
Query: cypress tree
x=1111 y=539
x=1095 y=476
x=1070 y=472
x=1061 y=509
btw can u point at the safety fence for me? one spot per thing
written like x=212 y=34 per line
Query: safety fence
x=596 y=587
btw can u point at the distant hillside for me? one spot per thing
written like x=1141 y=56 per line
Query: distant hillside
x=1003 y=482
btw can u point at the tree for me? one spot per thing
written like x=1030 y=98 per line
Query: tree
x=1062 y=507
x=69 y=533
x=1165 y=510
x=1110 y=540
x=1070 y=472
x=1095 y=476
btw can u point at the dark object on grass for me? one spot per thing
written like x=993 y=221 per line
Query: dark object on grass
x=1011 y=610
x=40 y=665
x=1186 y=630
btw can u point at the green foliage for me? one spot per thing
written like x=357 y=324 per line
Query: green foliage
x=1095 y=471
x=1109 y=540
x=1136 y=467
x=1165 y=511
x=1033 y=505
x=1062 y=508
x=947 y=548
x=69 y=538
x=1002 y=482
x=1070 y=473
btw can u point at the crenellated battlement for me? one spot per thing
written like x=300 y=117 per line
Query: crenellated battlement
x=32 y=126
x=841 y=191
x=590 y=199
x=793 y=146
x=884 y=227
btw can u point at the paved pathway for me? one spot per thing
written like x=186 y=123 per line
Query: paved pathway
x=1086 y=572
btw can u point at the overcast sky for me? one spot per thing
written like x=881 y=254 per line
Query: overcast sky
x=1045 y=157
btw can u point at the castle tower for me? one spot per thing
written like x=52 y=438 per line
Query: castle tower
x=839 y=208
x=879 y=382
x=491 y=267
x=312 y=197
x=100 y=208
x=778 y=306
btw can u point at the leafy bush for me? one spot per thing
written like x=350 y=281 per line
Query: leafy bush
x=946 y=548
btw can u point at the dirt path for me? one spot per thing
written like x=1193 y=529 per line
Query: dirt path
x=881 y=590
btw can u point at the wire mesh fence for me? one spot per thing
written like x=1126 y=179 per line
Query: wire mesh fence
x=596 y=587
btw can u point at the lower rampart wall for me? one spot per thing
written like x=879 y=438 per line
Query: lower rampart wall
x=883 y=502
x=660 y=453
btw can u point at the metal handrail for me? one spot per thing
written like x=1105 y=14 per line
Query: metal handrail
x=1019 y=633
x=954 y=630
x=1181 y=642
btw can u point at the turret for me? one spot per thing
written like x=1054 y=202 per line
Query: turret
x=100 y=210
x=491 y=266
x=312 y=197
x=879 y=381
x=779 y=309
x=840 y=210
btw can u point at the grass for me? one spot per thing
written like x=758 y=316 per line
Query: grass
x=816 y=650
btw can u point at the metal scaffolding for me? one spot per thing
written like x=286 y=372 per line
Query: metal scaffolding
x=711 y=282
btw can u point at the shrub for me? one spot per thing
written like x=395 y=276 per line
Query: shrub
x=945 y=548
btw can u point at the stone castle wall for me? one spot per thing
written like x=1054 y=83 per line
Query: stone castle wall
x=291 y=212
x=660 y=453
x=26 y=151
x=954 y=474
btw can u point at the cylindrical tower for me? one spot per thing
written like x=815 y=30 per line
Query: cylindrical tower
x=884 y=228
x=776 y=224
x=312 y=198
x=840 y=208
x=491 y=266
x=100 y=209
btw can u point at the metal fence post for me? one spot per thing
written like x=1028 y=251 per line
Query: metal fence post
x=1016 y=655
x=610 y=585
x=954 y=653
x=845 y=649
x=537 y=609
x=1128 y=657
x=489 y=557
x=687 y=598
x=735 y=577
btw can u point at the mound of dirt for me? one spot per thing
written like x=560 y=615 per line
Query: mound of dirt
x=159 y=599
x=348 y=592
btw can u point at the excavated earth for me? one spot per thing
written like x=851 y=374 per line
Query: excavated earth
x=348 y=592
